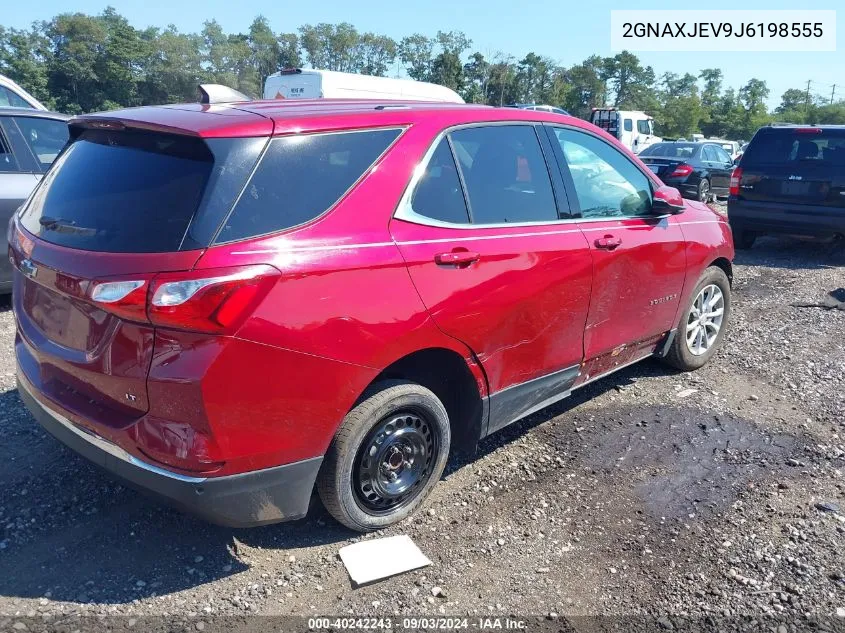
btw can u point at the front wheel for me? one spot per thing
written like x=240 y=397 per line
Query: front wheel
x=387 y=456
x=703 y=323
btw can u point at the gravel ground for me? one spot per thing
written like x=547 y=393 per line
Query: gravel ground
x=649 y=493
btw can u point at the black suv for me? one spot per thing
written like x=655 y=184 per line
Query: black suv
x=791 y=179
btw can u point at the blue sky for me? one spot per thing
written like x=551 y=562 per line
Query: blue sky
x=565 y=31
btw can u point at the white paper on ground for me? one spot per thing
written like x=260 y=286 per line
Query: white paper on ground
x=380 y=558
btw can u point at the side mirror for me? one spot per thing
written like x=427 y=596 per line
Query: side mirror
x=667 y=200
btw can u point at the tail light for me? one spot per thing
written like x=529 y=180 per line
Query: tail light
x=681 y=171
x=736 y=176
x=215 y=301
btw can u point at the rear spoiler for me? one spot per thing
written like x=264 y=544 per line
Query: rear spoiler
x=218 y=93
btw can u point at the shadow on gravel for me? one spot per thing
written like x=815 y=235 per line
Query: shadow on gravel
x=69 y=532
x=793 y=253
x=619 y=380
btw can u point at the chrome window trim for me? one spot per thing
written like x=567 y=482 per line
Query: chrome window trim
x=404 y=210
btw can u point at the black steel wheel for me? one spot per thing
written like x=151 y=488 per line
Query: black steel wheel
x=387 y=456
x=395 y=461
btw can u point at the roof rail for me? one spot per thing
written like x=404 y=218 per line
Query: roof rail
x=397 y=106
x=218 y=93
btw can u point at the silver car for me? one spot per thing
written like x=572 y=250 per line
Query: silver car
x=30 y=140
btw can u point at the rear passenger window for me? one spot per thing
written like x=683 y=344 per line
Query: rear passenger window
x=301 y=177
x=505 y=174
x=438 y=194
x=629 y=125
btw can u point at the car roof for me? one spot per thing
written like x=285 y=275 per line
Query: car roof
x=282 y=116
x=32 y=112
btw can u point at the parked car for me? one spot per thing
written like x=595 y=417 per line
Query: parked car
x=791 y=179
x=299 y=83
x=13 y=96
x=335 y=296
x=698 y=170
x=634 y=129
x=538 y=107
x=731 y=147
x=29 y=142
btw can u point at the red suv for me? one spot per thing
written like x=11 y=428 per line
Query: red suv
x=230 y=305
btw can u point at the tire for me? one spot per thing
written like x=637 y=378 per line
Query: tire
x=703 y=190
x=743 y=239
x=682 y=354
x=420 y=429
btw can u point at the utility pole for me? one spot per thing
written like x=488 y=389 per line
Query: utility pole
x=832 y=92
x=807 y=98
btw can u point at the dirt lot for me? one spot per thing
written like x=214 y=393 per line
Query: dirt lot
x=649 y=492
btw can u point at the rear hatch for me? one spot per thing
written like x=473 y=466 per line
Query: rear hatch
x=796 y=166
x=119 y=203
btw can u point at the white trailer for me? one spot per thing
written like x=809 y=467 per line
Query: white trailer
x=298 y=83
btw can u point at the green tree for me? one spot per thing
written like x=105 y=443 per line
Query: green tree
x=376 y=54
x=25 y=57
x=588 y=89
x=265 y=49
x=77 y=40
x=712 y=78
x=476 y=79
x=416 y=53
x=447 y=69
x=633 y=83
x=331 y=46
x=681 y=109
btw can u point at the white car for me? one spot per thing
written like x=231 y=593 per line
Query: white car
x=13 y=96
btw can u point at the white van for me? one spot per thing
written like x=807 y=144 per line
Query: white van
x=633 y=128
x=297 y=83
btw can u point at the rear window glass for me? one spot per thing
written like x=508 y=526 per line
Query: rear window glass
x=670 y=150
x=301 y=177
x=121 y=192
x=796 y=147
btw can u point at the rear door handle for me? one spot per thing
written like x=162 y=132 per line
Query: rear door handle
x=456 y=258
x=608 y=242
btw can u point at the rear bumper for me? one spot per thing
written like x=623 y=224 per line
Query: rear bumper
x=773 y=217
x=687 y=186
x=281 y=493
